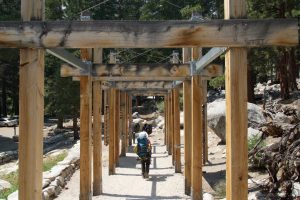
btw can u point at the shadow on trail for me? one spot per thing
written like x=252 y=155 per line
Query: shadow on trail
x=7 y=144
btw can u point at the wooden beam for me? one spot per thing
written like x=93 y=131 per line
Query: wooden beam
x=147 y=92
x=112 y=112
x=177 y=152
x=149 y=34
x=197 y=98
x=139 y=78
x=31 y=109
x=236 y=112
x=117 y=128
x=97 y=129
x=142 y=85
x=165 y=116
x=123 y=122
x=131 y=70
x=85 y=139
x=126 y=121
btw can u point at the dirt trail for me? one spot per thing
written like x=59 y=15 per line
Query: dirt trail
x=128 y=182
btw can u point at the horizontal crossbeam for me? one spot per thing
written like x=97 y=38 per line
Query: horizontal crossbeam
x=142 y=72
x=149 y=34
x=139 y=85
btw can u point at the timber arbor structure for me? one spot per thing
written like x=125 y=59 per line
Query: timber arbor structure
x=120 y=82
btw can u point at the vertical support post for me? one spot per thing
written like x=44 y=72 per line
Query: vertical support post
x=97 y=129
x=177 y=150
x=166 y=117
x=85 y=138
x=123 y=123
x=126 y=121
x=204 y=114
x=117 y=128
x=187 y=108
x=197 y=98
x=31 y=104
x=236 y=111
x=106 y=116
x=112 y=108
x=130 y=120
x=170 y=146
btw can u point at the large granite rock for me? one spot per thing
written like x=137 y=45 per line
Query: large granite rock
x=216 y=117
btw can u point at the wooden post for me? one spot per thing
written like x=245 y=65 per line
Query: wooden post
x=126 y=121
x=97 y=130
x=187 y=108
x=177 y=153
x=85 y=138
x=117 y=128
x=123 y=123
x=106 y=116
x=204 y=114
x=197 y=98
x=170 y=138
x=130 y=120
x=236 y=112
x=166 y=117
x=31 y=104
x=112 y=108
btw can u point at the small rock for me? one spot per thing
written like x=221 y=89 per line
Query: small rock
x=207 y=196
x=257 y=195
x=13 y=196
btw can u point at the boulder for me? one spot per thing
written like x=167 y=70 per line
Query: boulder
x=207 y=196
x=4 y=185
x=253 y=132
x=135 y=115
x=13 y=196
x=216 y=117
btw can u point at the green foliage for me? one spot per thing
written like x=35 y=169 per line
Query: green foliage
x=12 y=178
x=161 y=106
x=220 y=188
x=53 y=160
x=218 y=82
x=255 y=159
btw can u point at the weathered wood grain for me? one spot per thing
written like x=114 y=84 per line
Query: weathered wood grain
x=149 y=34
x=31 y=105
x=236 y=112
x=112 y=112
x=177 y=152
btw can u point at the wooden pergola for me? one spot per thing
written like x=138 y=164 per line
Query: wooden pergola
x=34 y=36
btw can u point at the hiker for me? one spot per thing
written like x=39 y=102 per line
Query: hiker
x=144 y=152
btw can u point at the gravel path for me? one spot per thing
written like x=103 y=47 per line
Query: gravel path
x=128 y=183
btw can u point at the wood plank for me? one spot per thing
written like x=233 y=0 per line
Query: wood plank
x=177 y=152
x=130 y=70
x=166 y=116
x=85 y=139
x=149 y=34
x=139 y=78
x=123 y=122
x=117 y=128
x=172 y=127
x=31 y=110
x=197 y=98
x=126 y=121
x=112 y=118
x=236 y=112
x=210 y=56
x=97 y=129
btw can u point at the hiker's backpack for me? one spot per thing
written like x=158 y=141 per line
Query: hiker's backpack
x=144 y=147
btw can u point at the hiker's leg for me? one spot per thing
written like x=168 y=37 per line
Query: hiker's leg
x=148 y=165
x=143 y=166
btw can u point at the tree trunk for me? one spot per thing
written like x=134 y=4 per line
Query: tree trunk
x=292 y=69
x=4 y=97
x=75 y=128
x=60 y=122
x=283 y=76
x=251 y=84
